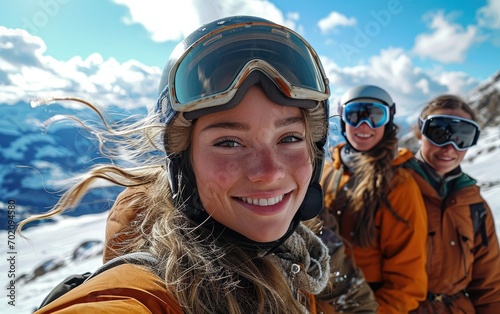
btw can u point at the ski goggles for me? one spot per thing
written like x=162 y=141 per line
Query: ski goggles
x=373 y=113
x=442 y=130
x=209 y=72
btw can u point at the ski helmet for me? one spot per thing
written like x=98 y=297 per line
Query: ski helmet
x=366 y=93
x=212 y=69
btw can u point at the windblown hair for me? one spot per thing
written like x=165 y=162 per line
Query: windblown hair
x=373 y=174
x=204 y=274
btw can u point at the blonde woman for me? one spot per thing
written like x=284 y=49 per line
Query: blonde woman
x=242 y=118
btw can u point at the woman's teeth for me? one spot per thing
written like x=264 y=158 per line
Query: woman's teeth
x=263 y=201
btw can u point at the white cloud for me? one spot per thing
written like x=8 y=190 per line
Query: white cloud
x=448 y=42
x=173 y=20
x=489 y=15
x=458 y=83
x=131 y=83
x=333 y=20
x=26 y=73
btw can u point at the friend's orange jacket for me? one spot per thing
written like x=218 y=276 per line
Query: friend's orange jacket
x=463 y=265
x=395 y=264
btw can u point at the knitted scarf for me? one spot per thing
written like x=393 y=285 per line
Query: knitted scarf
x=305 y=261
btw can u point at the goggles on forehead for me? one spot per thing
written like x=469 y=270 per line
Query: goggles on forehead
x=373 y=113
x=442 y=130
x=209 y=73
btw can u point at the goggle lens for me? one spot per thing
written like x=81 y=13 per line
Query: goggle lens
x=443 y=130
x=210 y=71
x=373 y=113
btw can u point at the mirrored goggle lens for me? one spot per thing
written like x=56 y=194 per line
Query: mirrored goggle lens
x=375 y=114
x=444 y=130
x=210 y=71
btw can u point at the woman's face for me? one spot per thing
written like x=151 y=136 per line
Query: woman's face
x=252 y=165
x=445 y=158
x=363 y=138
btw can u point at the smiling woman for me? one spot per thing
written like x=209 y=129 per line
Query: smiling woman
x=221 y=221
x=257 y=169
x=376 y=202
x=463 y=250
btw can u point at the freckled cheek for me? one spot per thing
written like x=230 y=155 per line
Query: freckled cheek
x=225 y=170
x=219 y=173
x=299 y=165
x=216 y=174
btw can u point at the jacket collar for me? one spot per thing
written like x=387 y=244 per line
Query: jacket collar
x=442 y=185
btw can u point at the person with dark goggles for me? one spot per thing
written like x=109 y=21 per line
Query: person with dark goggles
x=463 y=261
x=443 y=130
x=376 y=202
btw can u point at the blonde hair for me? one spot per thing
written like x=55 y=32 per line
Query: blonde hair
x=204 y=274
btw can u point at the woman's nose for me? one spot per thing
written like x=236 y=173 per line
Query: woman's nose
x=264 y=166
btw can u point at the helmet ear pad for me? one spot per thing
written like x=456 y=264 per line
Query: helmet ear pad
x=312 y=204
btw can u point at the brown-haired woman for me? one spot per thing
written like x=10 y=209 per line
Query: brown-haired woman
x=463 y=254
x=376 y=202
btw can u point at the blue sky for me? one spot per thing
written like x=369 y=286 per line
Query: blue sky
x=112 y=49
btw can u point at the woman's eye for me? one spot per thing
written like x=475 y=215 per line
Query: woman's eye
x=292 y=138
x=227 y=142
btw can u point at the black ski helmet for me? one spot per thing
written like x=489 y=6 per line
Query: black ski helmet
x=252 y=51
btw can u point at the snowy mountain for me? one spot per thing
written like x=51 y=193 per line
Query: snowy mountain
x=36 y=162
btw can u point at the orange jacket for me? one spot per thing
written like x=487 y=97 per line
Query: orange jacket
x=124 y=212
x=128 y=289
x=396 y=262
x=458 y=260
x=123 y=289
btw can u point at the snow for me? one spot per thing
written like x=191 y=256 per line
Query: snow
x=484 y=167
x=58 y=240
x=55 y=240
